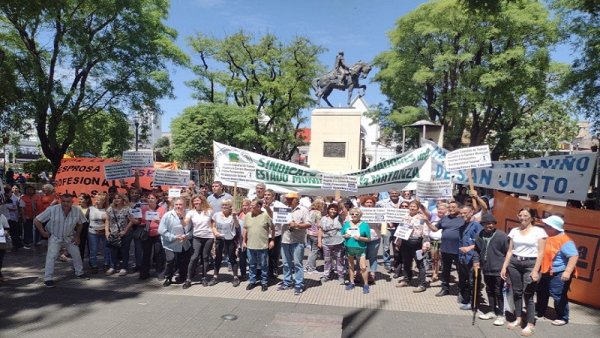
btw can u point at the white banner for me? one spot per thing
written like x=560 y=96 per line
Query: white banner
x=282 y=215
x=117 y=171
x=174 y=192
x=395 y=215
x=339 y=182
x=468 y=158
x=139 y=159
x=434 y=189
x=178 y=178
x=238 y=172
x=373 y=215
x=403 y=232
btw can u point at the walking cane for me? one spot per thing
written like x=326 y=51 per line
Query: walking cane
x=476 y=284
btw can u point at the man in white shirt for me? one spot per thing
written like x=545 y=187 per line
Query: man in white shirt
x=63 y=229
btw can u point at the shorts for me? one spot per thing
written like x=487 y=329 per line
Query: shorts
x=356 y=252
x=435 y=245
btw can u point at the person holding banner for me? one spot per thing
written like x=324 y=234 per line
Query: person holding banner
x=151 y=216
x=331 y=241
x=175 y=235
x=293 y=240
x=225 y=226
x=374 y=242
x=392 y=202
x=357 y=234
x=200 y=219
x=414 y=245
x=522 y=265
x=558 y=267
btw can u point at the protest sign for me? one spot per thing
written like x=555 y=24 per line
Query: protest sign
x=403 y=232
x=282 y=215
x=174 y=192
x=373 y=215
x=115 y=171
x=339 y=182
x=435 y=189
x=468 y=158
x=139 y=159
x=171 y=177
x=395 y=215
x=152 y=216
x=135 y=212
x=238 y=172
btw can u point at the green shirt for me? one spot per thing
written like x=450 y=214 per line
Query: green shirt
x=363 y=231
x=257 y=231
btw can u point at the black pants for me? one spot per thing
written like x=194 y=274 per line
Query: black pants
x=243 y=258
x=83 y=239
x=274 y=255
x=409 y=249
x=152 y=248
x=201 y=250
x=177 y=261
x=493 y=289
x=230 y=247
x=2 y=251
x=16 y=231
x=466 y=280
x=523 y=286
x=447 y=260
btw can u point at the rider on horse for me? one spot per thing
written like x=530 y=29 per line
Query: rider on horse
x=341 y=70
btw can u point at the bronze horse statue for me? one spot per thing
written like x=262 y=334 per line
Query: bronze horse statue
x=325 y=84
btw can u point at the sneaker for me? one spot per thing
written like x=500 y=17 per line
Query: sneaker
x=49 y=284
x=499 y=321
x=365 y=289
x=342 y=281
x=167 y=282
x=38 y=243
x=487 y=316
x=236 y=282
x=513 y=325
x=264 y=287
x=283 y=287
x=419 y=289
x=27 y=246
x=83 y=276
x=349 y=286
x=324 y=280
x=559 y=322
x=465 y=307
x=213 y=282
x=402 y=284
x=186 y=285
x=204 y=282
x=442 y=293
x=528 y=331
x=122 y=272
x=110 y=271
x=298 y=291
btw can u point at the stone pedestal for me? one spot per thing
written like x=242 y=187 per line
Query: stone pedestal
x=335 y=145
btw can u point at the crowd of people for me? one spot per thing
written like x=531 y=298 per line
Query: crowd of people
x=187 y=240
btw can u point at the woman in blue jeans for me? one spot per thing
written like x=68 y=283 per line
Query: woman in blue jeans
x=374 y=242
x=96 y=234
x=119 y=223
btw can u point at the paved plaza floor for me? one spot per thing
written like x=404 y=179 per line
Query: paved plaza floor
x=112 y=306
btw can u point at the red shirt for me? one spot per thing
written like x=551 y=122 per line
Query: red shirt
x=152 y=224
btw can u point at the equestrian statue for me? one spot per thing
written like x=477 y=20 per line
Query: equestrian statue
x=341 y=77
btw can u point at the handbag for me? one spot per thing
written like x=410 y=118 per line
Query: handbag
x=140 y=233
x=114 y=241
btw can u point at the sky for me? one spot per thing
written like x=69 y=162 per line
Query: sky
x=359 y=28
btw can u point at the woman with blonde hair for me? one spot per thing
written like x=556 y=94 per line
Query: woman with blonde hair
x=225 y=227
x=96 y=233
x=203 y=237
x=117 y=228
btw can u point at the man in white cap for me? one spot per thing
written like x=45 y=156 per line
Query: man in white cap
x=558 y=266
x=292 y=245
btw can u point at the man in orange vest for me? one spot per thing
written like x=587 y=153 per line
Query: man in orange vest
x=558 y=267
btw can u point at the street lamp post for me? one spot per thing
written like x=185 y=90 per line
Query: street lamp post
x=137 y=134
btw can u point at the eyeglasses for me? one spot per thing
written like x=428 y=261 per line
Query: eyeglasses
x=354 y=214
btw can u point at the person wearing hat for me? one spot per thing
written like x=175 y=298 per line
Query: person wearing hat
x=558 y=266
x=293 y=239
x=491 y=245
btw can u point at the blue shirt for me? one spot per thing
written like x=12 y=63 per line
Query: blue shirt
x=568 y=250
x=467 y=238
x=451 y=228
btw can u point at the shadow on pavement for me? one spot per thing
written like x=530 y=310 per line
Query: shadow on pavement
x=357 y=319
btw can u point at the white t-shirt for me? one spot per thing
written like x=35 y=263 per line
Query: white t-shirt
x=526 y=245
x=200 y=223
x=224 y=225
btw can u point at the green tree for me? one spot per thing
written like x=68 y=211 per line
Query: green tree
x=77 y=58
x=109 y=141
x=470 y=71
x=581 y=25
x=265 y=81
x=162 y=149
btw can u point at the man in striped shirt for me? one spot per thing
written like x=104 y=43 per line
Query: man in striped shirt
x=63 y=229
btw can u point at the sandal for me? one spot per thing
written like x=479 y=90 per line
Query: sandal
x=559 y=322
x=528 y=331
